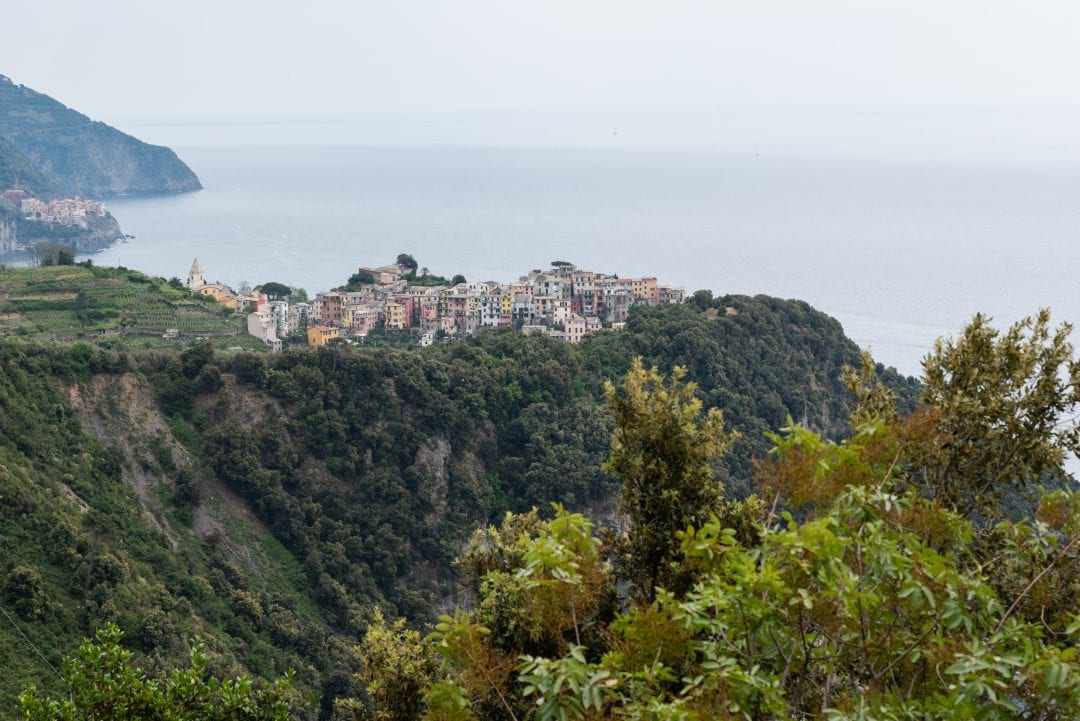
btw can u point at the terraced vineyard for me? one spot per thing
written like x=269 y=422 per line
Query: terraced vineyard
x=73 y=301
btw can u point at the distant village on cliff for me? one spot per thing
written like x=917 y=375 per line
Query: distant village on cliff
x=564 y=302
x=78 y=222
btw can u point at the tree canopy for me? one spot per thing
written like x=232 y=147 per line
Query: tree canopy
x=103 y=683
x=1006 y=410
x=276 y=291
x=662 y=450
x=359 y=279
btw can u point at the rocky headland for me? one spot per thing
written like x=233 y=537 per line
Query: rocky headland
x=98 y=234
x=45 y=143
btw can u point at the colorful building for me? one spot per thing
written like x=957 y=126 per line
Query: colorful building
x=319 y=335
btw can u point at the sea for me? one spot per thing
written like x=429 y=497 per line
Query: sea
x=901 y=236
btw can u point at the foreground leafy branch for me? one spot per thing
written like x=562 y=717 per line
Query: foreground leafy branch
x=103 y=684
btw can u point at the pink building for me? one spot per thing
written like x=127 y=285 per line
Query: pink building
x=429 y=309
x=364 y=320
x=409 y=308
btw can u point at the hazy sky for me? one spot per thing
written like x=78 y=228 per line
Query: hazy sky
x=121 y=60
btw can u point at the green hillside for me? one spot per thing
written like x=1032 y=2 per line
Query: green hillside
x=271 y=503
x=91 y=534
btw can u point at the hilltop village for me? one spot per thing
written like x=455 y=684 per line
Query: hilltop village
x=65 y=211
x=565 y=302
x=80 y=223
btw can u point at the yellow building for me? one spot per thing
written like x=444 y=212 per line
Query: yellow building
x=395 y=315
x=318 y=335
x=218 y=292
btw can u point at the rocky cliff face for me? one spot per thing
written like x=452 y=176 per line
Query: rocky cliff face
x=16 y=231
x=82 y=157
x=17 y=172
x=100 y=234
x=103 y=233
x=7 y=235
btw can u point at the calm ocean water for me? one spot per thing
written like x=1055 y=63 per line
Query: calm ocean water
x=899 y=251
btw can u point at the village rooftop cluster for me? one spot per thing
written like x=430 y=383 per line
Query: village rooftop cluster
x=564 y=302
x=65 y=211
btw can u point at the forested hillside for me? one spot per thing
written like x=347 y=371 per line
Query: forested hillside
x=760 y=359
x=270 y=504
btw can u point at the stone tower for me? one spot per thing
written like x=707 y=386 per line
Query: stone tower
x=195 y=276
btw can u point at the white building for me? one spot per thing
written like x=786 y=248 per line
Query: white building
x=279 y=315
x=263 y=326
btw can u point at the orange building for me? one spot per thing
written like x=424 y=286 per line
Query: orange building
x=644 y=290
x=318 y=335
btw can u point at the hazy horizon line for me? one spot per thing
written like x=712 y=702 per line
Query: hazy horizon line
x=761 y=108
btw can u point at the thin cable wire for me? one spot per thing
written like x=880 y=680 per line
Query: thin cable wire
x=30 y=643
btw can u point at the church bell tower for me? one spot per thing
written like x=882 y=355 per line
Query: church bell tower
x=195 y=276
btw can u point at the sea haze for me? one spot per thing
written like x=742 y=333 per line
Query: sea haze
x=900 y=252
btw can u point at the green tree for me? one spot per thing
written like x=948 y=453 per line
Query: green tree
x=249 y=368
x=397 y=667
x=47 y=254
x=1004 y=410
x=544 y=589
x=103 y=683
x=702 y=299
x=459 y=278
x=359 y=279
x=195 y=358
x=276 y=291
x=406 y=261
x=662 y=450
x=24 y=591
